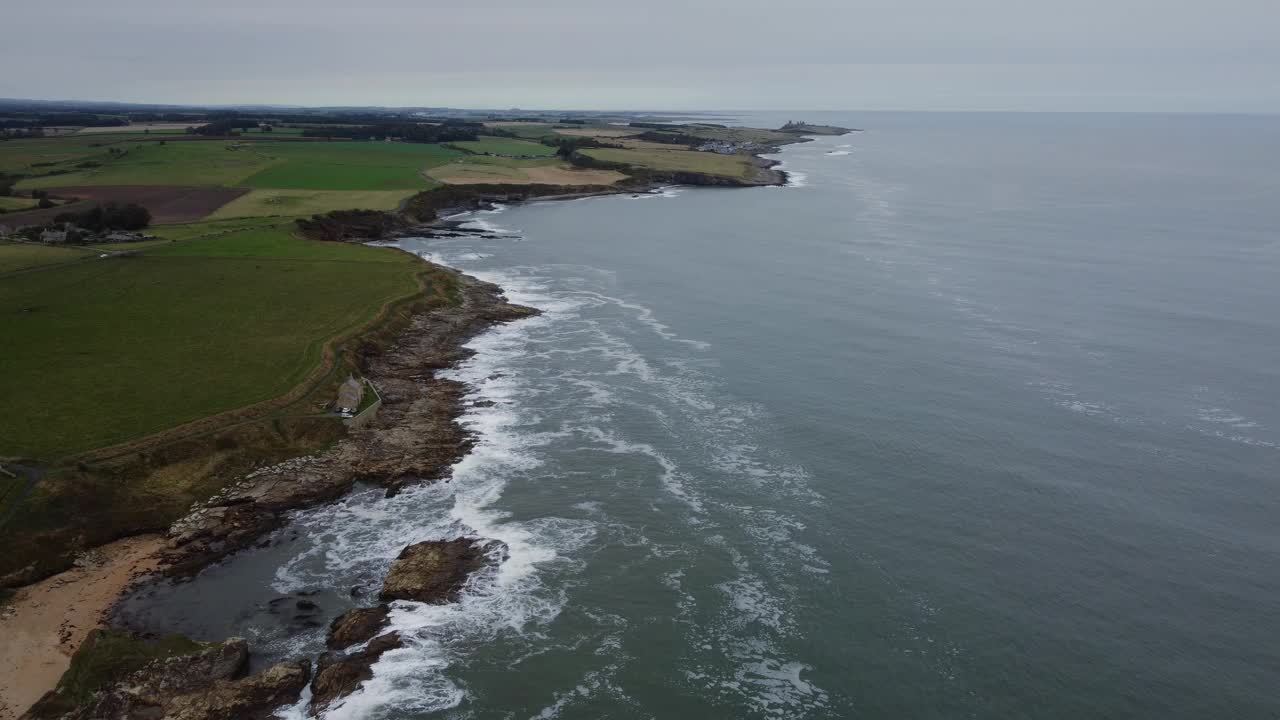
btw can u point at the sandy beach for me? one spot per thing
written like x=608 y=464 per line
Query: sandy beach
x=44 y=623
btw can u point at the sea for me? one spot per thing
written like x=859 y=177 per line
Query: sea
x=977 y=417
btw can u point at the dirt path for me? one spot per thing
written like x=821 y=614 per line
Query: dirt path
x=44 y=623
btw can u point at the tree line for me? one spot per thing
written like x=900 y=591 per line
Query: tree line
x=408 y=132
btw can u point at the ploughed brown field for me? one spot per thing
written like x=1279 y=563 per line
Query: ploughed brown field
x=39 y=217
x=167 y=203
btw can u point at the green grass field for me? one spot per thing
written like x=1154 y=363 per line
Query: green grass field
x=348 y=165
x=261 y=203
x=735 y=166
x=175 y=163
x=110 y=350
x=736 y=134
x=15 y=256
x=19 y=156
x=493 y=169
x=506 y=146
x=352 y=166
x=276 y=131
x=210 y=228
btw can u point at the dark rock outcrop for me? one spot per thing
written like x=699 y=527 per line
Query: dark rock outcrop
x=188 y=681
x=356 y=626
x=164 y=679
x=351 y=225
x=253 y=698
x=434 y=571
x=337 y=676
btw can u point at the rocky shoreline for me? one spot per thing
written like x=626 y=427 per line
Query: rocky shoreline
x=415 y=438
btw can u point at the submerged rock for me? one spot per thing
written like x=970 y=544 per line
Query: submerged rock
x=356 y=626
x=434 y=571
x=337 y=676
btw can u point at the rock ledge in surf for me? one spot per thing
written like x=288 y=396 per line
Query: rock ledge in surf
x=356 y=626
x=337 y=676
x=434 y=571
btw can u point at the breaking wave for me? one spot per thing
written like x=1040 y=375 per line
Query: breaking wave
x=595 y=385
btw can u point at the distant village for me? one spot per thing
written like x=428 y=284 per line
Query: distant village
x=727 y=147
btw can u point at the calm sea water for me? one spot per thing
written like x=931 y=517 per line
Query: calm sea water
x=978 y=418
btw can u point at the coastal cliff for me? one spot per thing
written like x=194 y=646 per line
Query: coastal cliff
x=414 y=439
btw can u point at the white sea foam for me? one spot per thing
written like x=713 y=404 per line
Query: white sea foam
x=355 y=540
x=1222 y=416
x=591 y=354
x=645 y=316
x=669 y=191
x=486 y=226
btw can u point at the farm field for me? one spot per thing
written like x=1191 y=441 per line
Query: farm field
x=599 y=132
x=29 y=156
x=277 y=130
x=550 y=171
x=20 y=256
x=9 y=204
x=167 y=203
x=141 y=128
x=347 y=165
x=178 y=332
x=40 y=216
x=210 y=228
x=742 y=135
x=191 y=179
x=531 y=131
x=505 y=146
x=261 y=203
x=176 y=163
x=277 y=242
x=659 y=158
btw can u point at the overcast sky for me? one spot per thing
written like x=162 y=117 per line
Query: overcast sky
x=1157 y=55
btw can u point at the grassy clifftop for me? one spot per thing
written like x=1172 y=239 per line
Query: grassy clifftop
x=143 y=383
x=122 y=347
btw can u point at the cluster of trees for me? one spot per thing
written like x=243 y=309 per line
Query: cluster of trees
x=670 y=138
x=112 y=216
x=408 y=132
x=40 y=198
x=567 y=146
x=224 y=126
x=146 y=117
x=348 y=225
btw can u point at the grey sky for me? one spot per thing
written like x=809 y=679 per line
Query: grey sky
x=1162 y=55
